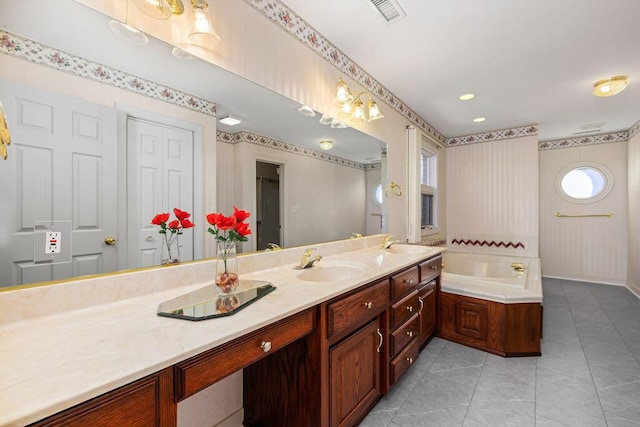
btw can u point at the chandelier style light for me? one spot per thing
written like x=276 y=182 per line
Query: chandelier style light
x=610 y=87
x=353 y=105
x=202 y=31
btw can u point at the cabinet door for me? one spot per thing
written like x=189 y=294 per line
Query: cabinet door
x=354 y=372
x=427 y=298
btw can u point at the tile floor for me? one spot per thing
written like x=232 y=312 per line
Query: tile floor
x=588 y=374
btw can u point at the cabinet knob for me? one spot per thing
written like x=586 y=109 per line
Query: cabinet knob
x=409 y=281
x=410 y=308
x=410 y=360
x=265 y=346
x=434 y=267
x=410 y=334
x=368 y=304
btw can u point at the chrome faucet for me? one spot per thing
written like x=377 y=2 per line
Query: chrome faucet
x=388 y=241
x=306 y=261
x=517 y=266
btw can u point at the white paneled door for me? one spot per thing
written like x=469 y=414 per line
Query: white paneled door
x=159 y=179
x=62 y=166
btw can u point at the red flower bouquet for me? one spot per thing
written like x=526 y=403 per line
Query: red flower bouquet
x=171 y=231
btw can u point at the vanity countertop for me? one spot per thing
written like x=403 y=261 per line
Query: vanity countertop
x=53 y=362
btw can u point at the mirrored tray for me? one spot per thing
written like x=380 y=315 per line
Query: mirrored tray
x=205 y=303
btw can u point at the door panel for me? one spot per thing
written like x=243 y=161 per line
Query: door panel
x=62 y=166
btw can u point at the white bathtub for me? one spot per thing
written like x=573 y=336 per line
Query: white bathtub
x=491 y=277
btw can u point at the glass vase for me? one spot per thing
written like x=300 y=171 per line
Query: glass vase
x=170 y=250
x=227 y=279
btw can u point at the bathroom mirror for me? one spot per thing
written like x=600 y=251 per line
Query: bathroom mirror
x=264 y=113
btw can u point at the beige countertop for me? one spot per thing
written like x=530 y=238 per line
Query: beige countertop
x=54 y=361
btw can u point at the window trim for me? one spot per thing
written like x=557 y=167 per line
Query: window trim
x=608 y=186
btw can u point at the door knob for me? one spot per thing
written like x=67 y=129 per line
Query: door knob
x=110 y=241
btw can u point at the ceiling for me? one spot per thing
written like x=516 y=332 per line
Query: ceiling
x=527 y=61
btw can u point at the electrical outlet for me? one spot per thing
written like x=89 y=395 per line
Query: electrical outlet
x=52 y=242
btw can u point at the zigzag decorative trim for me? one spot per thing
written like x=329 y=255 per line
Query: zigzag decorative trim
x=23 y=48
x=588 y=140
x=292 y=23
x=492 y=136
x=488 y=243
x=252 y=138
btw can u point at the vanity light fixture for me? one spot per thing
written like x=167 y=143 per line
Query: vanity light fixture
x=160 y=9
x=479 y=119
x=128 y=33
x=330 y=121
x=611 y=86
x=326 y=144
x=353 y=105
x=230 y=120
x=467 y=97
x=182 y=55
x=202 y=31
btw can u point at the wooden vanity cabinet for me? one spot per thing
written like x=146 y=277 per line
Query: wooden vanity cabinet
x=427 y=313
x=146 y=402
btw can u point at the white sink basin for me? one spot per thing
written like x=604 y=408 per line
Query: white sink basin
x=332 y=271
x=410 y=249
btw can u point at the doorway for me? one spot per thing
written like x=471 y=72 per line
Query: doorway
x=268 y=192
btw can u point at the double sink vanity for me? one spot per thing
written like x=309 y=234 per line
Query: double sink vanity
x=318 y=350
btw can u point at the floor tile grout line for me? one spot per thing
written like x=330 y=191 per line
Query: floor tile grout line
x=466 y=413
x=585 y=354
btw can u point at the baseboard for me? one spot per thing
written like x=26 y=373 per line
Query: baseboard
x=587 y=280
x=635 y=289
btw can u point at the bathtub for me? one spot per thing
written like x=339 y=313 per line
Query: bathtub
x=491 y=277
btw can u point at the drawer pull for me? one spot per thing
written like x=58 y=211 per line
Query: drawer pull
x=368 y=305
x=380 y=344
x=265 y=346
x=434 y=267
x=421 y=305
x=410 y=334
x=410 y=360
x=410 y=308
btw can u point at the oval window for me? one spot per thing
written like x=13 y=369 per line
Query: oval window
x=584 y=183
x=377 y=193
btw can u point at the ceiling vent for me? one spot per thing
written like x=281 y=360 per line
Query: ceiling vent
x=390 y=10
x=590 y=128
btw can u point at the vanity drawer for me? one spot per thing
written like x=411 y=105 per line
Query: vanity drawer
x=404 y=309
x=404 y=282
x=404 y=335
x=207 y=368
x=430 y=269
x=403 y=362
x=350 y=312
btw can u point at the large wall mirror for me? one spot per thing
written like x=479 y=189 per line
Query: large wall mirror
x=271 y=164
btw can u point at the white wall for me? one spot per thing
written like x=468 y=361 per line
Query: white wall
x=587 y=249
x=493 y=196
x=323 y=201
x=633 y=270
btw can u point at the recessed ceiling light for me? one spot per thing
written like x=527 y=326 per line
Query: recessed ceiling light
x=326 y=144
x=466 y=97
x=610 y=87
x=479 y=119
x=182 y=54
x=230 y=120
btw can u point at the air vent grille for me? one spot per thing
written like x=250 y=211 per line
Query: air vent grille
x=389 y=9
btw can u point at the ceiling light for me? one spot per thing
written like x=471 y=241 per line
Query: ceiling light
x=326 y=120
x=160 y=9
x=338 y=125
x=611 y=86
x=479 y=119
x=466 y=97
x=230 y=120
x=128 y=33
x=202 y=31
x=305 y=110
x=353 y=105
x=326 y=144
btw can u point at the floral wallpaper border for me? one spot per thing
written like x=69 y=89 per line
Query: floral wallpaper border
x=586 y=140
x=498 y=135
x=634 y=130
x=252 y=138
x=281 y=14
x=23 y=48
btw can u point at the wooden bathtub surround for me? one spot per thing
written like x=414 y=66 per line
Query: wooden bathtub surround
x=502 y=329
